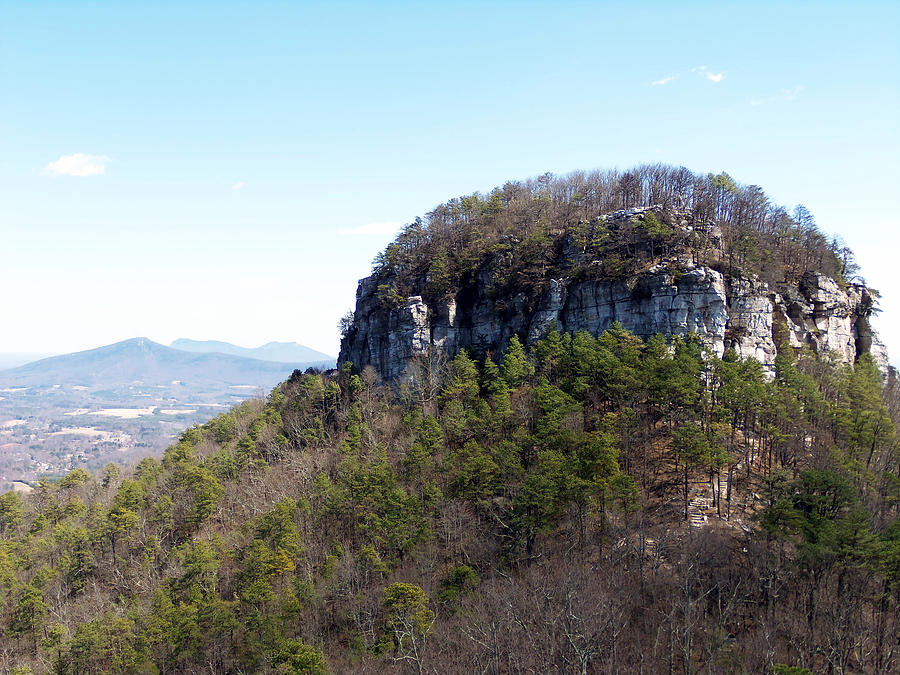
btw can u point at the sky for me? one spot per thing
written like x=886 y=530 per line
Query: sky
x=228 y=170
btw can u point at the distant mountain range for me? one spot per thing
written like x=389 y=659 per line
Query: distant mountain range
x=283 y=352
x=145 y=361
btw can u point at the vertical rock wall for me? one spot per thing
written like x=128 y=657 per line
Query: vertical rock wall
x=741 y=314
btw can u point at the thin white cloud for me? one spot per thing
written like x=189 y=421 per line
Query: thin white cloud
x=372 y=229
x=704 y=70
x=788 y=94
x=665 y=80
x=78 y=164
x=700 y=70
x=239 y=185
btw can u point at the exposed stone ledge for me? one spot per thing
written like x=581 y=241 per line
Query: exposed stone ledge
x=672 y=298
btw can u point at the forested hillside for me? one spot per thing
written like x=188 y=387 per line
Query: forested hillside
x=587 y=505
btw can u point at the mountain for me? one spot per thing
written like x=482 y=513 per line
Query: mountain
x=577 y=500
x=284 y=352
x=140 y=359
x=531 y=259
x=117 y=403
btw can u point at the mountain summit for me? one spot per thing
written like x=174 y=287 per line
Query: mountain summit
x=284 y=352
x=687 y=254
x=149 y=362
x=594 y=504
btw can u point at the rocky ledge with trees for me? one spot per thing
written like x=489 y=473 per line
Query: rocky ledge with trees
x=657 y=249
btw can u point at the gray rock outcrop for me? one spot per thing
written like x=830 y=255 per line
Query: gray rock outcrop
x=674 y=297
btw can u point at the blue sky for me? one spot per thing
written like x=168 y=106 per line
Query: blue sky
x=246 y=161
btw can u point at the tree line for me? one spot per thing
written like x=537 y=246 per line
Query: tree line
x=523 y=231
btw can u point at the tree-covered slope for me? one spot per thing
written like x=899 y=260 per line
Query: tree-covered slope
x=591 y=504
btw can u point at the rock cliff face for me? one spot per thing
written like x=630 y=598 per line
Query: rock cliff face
x=673 y=297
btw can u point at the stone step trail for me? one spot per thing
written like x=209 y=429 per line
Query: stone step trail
x=697 y=506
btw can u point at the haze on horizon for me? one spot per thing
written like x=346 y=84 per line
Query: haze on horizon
x=228 y=170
